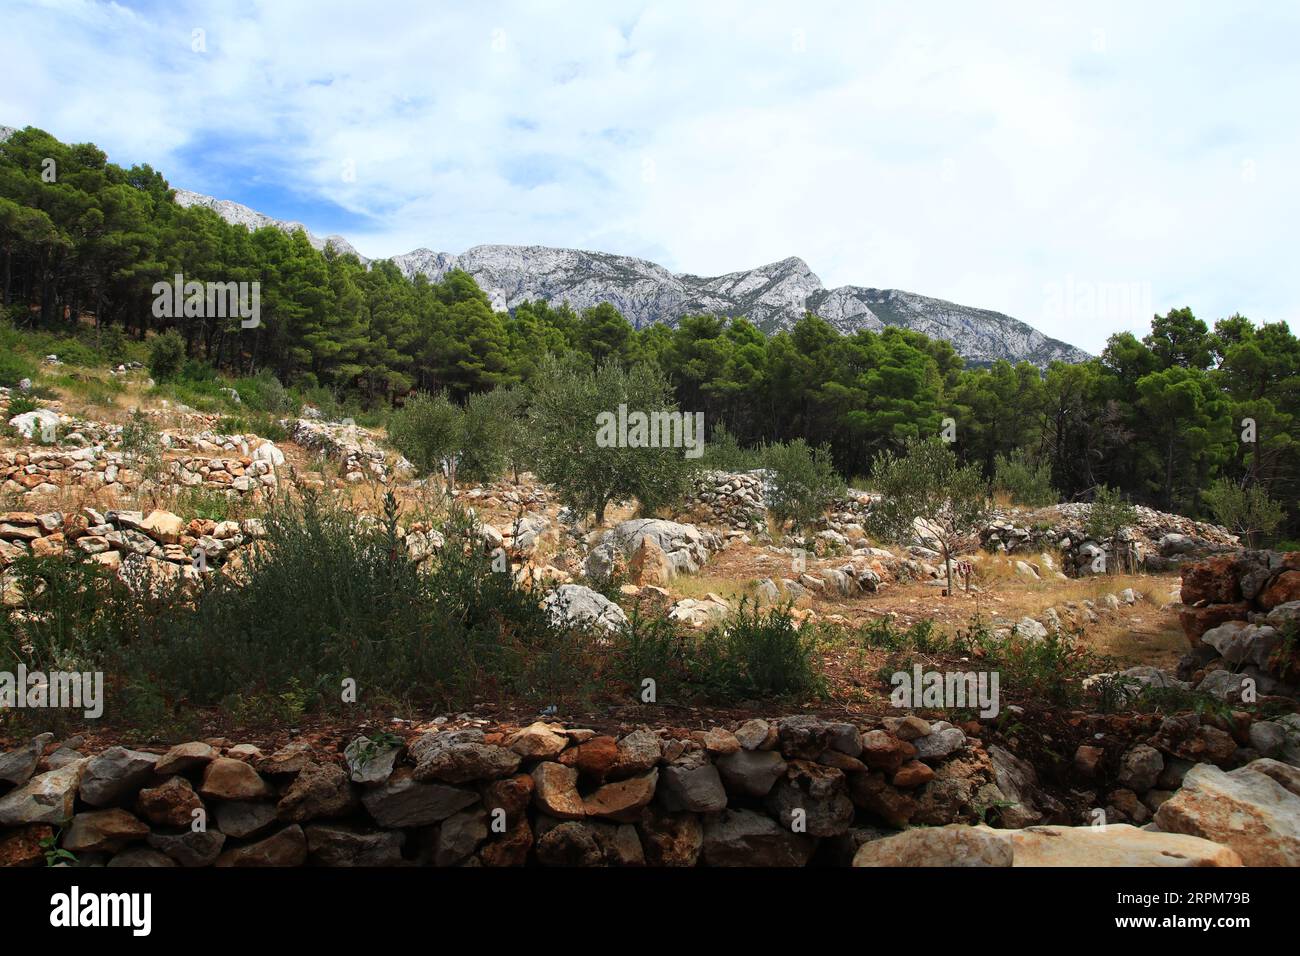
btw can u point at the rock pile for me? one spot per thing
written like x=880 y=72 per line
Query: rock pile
x=765 y=793
x=654 y=550
x=730 y=500
x=1241 y=616
x=139 y=547
x=354 y=449
x=785 y=792
x=1158 y=541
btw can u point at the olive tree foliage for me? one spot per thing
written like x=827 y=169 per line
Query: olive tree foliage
x=1110 y=514
x=430 y=431
x=493 y=435
x=1249 y=510
x=802 y=482
x=927 y=483
x=569 y=398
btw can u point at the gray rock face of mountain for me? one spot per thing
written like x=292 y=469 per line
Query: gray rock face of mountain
x=238 y=214
x=773 y=297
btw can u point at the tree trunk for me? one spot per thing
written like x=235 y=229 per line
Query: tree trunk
x=947 y=564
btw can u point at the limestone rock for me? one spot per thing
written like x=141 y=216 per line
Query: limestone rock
x=955 y=845
x=171 y=804
x=115 y=773
x=185 y=757
x=1116 y=844
x=319 y=791
x=1246 y=810
x=288 y=847
x=102 y=830
x=228 y=779
x=401 y=801
x=46 y=798
x=746 y=838
x=188 y=847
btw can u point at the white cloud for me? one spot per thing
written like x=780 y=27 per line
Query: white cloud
x=982 y=154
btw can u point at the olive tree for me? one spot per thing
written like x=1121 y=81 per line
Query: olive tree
x=568 y=450
x=1249 y=510
x=1108 y=516
x=430 y=431
x=802 y=482
x=927 y=482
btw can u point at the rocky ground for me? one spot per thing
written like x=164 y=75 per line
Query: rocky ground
x=850 y=779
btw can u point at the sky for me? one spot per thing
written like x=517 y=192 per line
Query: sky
x=1078 y=170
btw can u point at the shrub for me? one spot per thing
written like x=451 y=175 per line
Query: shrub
x=429 y=430
x=1109 y=515
x=324 y=597
x=166 y=356
x=929 y=483
x=724 y=452
x=758 y=654
x=20 y=405
x=802 y=482
x=1026 y=481
x=1249 y=510
x=486 y=428
x=264 y=393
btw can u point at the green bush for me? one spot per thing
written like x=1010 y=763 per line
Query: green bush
x=758 y=655
x=166 y=356
x=803 y=482
x=723 y=452
x=264 y=393
x=1026 y=481
x=326 y=596
x=429 y=430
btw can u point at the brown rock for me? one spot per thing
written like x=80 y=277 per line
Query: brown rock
x=720 y=741
x=650 y=564
x=1213 y=581
x=912 y=774
x=953 y=845
x=637 y=752
x=185 y=757
x=1197 y=620
x=319 y=791
x=592 y=758
x=1245 y=810
x=1285 y=587
x=228 y=779
x=569 y=844
x=286 y=848
x=510 y=848
x=555 y=791
x=106 y=830
x=172 y=804
x=1087 y=759
x=883 y=751
x=872 y=792
x=623 y=800
x=537 y=741
x=670 y=839
x=511 y=794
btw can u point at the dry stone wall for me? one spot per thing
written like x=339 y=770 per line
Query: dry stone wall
x=788 y=792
